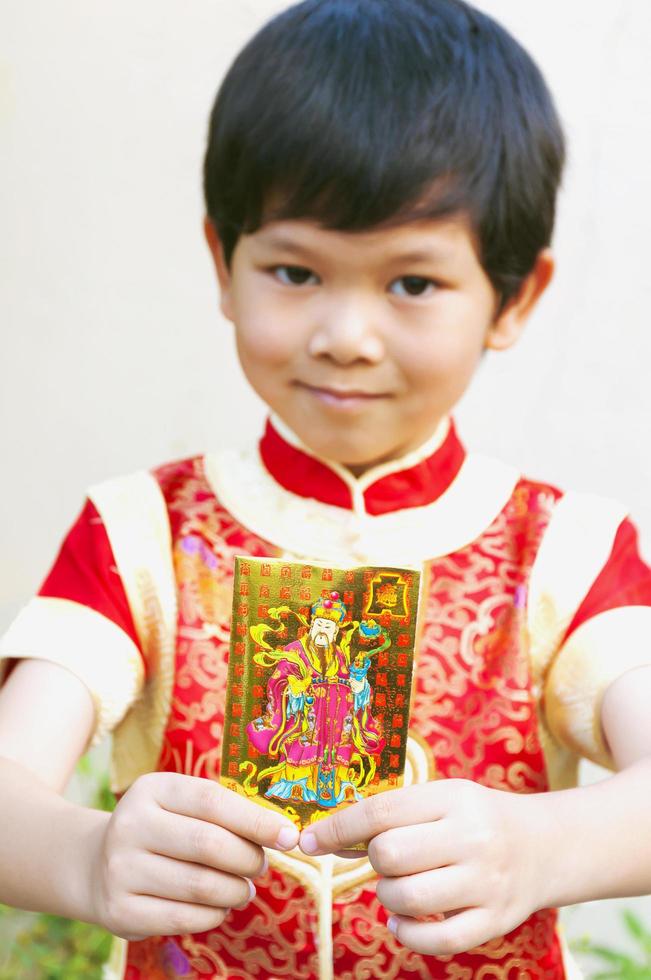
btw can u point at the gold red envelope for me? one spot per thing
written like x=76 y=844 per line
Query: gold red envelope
x=319 y=683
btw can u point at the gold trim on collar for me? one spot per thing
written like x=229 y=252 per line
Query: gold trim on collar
x=309 y=528
x=359 y=484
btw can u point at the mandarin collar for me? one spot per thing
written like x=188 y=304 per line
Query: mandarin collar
x=414 y=480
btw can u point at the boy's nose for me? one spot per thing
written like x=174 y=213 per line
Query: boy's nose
x=346 y=333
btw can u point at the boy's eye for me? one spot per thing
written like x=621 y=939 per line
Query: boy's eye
x=292 y=275
x=412 y=286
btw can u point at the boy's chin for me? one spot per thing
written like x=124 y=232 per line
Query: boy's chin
x=356 y=458
x=358 y=446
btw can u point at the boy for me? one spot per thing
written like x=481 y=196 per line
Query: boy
x=380 y=184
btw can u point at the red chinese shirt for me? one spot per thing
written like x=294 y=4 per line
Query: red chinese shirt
x=535 y=601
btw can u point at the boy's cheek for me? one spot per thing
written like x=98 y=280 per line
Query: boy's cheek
x=447 y=362
x=261 y=346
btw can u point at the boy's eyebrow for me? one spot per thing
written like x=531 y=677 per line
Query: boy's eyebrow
x=285 y=245
x=416 y=255
x=420 y=255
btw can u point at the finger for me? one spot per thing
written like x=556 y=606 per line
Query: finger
x=201 y=842
x=457 y=934
x=372 y=816
x=205 y=799
x=195 y=884
x=428 y=893
x=409 y=850
x=149 y=916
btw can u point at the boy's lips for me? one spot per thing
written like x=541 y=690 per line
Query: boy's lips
x=341 y=397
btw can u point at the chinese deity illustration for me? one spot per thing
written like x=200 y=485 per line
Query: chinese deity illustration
x=318 y=721
x=319 y=683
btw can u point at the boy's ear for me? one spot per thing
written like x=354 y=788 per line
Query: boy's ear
x=510 y=321
x=222 y=270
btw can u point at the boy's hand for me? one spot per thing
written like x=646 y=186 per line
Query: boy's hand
x=177 y=854
x=450 y=849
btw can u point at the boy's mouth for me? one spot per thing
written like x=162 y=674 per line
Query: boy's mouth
x=341 y=397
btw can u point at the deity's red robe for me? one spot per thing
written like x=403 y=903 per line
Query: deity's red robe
x=330 y=711
x=535 y=601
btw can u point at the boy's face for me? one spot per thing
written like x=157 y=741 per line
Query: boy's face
x=362 y=342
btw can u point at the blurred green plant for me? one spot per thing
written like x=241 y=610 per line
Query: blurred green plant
x=51 y=948
x=618 y=965
x=36 y=946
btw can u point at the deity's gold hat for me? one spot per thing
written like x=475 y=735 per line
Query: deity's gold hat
x=329 y=608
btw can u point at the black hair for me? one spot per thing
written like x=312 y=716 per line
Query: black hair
x=366 y=113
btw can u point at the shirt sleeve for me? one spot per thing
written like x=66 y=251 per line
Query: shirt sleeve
x=81 y=619
x=625 y=579
x=609 y=634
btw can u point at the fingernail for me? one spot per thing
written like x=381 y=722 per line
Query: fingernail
x=309 y=843
x=287 y=838
x=252 y=891
x=392 y=924
x=265 y=866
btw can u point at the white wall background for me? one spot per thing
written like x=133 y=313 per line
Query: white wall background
x=114 y=355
